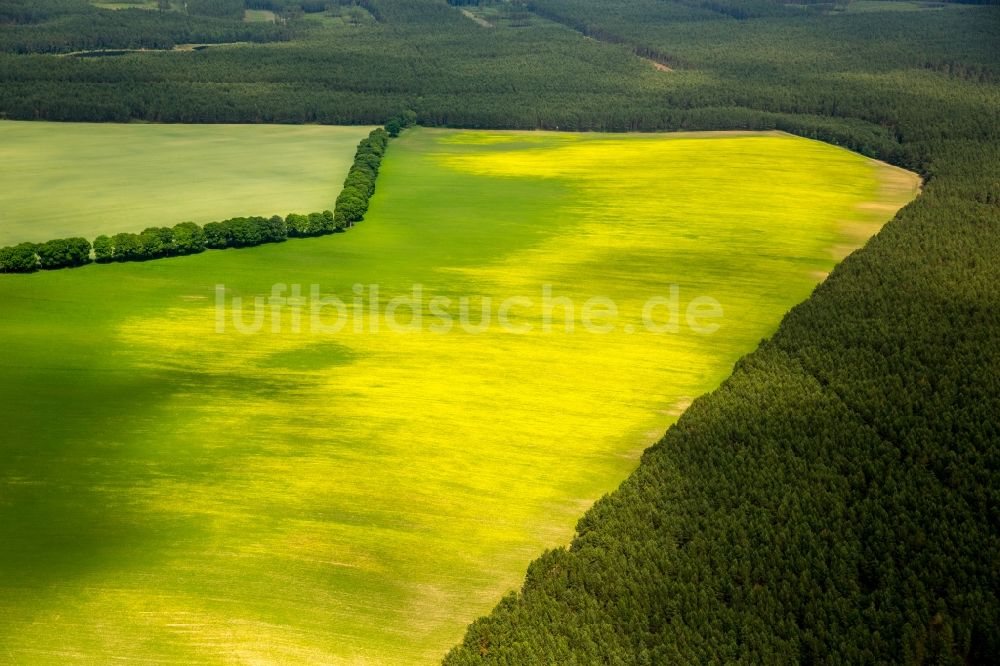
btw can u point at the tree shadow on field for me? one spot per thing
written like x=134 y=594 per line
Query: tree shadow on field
x=72 y=450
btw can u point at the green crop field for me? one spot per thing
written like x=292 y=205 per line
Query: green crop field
x=124 y=4
x=178 y=487
x=70 y=179
x=259 y=15
x=900 y=6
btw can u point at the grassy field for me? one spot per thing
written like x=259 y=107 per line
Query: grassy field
x=899 y=6
x=259 y=16
x=171 y=493
x=124 y=4
x=63 y=179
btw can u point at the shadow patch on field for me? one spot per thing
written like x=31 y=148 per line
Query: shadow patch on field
x=65 y=503
x=311 y=358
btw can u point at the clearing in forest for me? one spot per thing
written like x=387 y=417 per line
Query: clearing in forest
x=85 y=179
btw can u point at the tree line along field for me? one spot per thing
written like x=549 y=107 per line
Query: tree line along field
x=66 y=179
x=307 y=498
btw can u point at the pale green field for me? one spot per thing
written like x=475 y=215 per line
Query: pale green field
x=900 y=6
x=130 y=4
x=174 y=494
x=73 y=179
x=258 y=16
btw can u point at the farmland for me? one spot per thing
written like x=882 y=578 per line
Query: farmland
x=177 y=490
x=71 y=179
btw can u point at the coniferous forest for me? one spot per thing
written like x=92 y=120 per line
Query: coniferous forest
x=837 y=499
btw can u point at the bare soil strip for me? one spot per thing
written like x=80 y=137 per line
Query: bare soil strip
x=481 y=21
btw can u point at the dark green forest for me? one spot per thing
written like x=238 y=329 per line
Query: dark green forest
x=837 y=500
x=61 y=26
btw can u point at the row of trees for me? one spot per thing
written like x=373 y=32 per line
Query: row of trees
x=158 y=242
x=352 y=204
x=190 y=238
x=236 y=232
x=56 y=253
